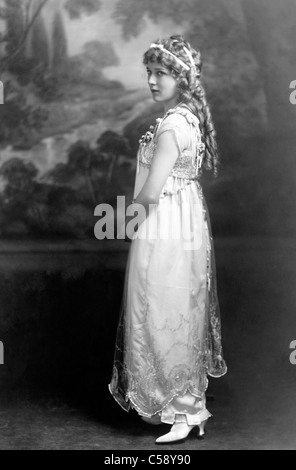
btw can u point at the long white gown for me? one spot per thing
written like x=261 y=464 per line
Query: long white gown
x=169 y=333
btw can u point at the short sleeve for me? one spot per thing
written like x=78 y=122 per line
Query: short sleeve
x=179 y=128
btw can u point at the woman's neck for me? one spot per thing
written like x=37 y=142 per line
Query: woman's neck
x=170 y=105
x=174 y=104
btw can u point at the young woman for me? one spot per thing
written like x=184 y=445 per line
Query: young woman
x=169 y=333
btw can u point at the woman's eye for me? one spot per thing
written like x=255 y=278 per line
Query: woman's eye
x=160 y=74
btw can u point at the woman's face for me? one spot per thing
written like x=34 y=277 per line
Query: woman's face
x=162 y=84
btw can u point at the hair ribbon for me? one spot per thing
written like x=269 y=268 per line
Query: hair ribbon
x=160 y=46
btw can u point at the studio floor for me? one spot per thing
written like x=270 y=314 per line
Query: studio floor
x=50 y=424
x=253 y=406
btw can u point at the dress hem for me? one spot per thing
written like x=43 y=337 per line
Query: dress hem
x=164 y=405
x=127 y=408
x=217 y=376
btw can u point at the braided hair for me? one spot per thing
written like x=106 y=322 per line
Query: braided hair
x=191 y=91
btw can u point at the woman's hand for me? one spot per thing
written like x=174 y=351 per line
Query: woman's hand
x=130 y=228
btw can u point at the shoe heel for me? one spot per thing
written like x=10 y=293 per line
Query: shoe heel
x=201 y=430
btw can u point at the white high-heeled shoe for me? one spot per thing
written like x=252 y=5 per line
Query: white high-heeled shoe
x=180 y=431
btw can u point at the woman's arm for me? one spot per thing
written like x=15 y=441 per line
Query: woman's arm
x=162 y=164
x=164 y=159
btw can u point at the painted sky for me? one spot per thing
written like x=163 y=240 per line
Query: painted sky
x=103 y=28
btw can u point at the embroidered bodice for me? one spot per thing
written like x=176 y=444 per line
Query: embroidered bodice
x=185 y=129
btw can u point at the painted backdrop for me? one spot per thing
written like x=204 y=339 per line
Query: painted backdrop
x=76 y=103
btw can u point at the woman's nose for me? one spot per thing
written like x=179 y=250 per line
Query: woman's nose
x=151 y=80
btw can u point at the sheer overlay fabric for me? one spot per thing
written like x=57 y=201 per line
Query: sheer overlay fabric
x=169 y=332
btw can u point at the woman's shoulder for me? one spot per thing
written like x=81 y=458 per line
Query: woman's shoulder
x=180 y=121
x=180 y=116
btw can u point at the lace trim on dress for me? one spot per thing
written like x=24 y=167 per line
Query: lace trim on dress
x=189 y=162
x=154 y=385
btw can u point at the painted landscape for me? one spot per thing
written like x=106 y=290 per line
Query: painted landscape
x=73 y=114
x=76 y=104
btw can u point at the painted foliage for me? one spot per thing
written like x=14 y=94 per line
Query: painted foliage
x=76 y=101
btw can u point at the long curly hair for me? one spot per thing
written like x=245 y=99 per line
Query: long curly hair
x=191 y=91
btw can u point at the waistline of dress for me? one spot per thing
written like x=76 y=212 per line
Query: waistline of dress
x=177 y=190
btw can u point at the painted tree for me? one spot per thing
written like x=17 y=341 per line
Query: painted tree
x=272 y=34
x=231 y=74
x=88 y=66
x=15 y=24
x=247 y=42
x=40 y=43
x=91 y=172
x=113 y=146
x=19 y=118
x=19 y=121
x=77 y=172
x=19 y=18
x=77 y=7
x=20 y=201
x=60 y=47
